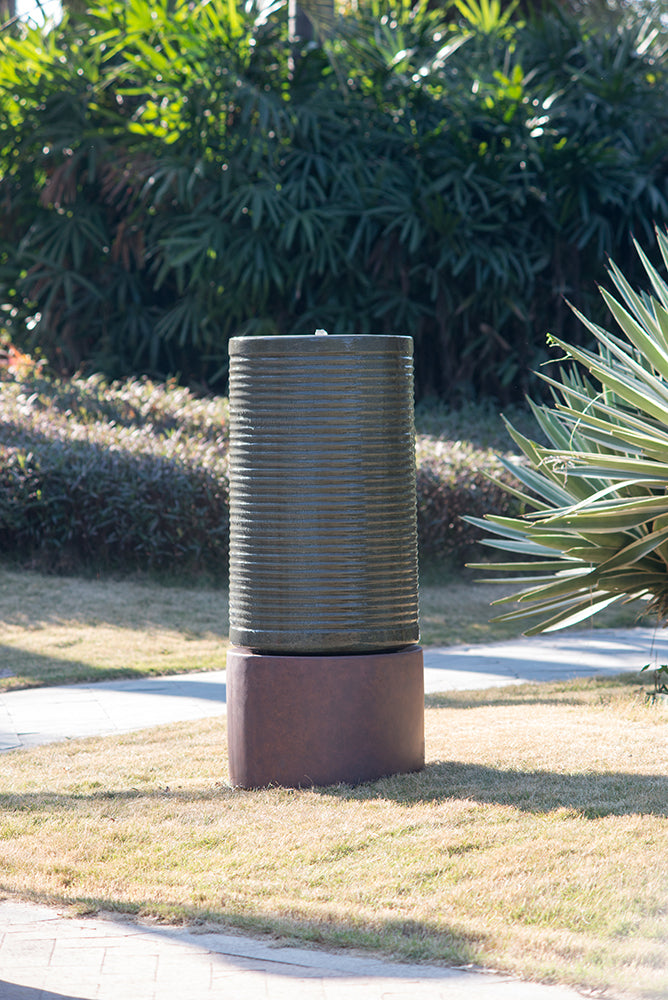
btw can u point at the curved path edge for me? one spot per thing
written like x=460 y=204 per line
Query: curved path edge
x=46 y=955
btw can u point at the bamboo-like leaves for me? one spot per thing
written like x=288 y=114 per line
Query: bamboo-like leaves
x=604 y=479
x=367 y=181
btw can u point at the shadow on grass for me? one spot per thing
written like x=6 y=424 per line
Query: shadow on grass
x=34 y=599
x=581 y=691
x=590 y=795
x=23 y=669
x=494 y=701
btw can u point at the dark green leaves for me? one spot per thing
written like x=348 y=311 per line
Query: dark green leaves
x=173 y=173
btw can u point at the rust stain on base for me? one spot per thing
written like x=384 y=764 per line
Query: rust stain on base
x=297 y=721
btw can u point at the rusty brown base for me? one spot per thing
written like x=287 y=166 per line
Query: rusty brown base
x=320 y=720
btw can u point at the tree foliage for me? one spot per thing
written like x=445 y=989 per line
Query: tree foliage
x=174 y=173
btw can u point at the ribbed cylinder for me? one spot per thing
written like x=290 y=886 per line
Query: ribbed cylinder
x=323 y=540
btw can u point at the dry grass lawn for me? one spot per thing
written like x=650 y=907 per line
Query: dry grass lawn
x=59 y=630
x=456 y=609
x=534 y=841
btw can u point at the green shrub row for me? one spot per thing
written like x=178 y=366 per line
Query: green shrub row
x=133 y=477
x=122 y=478
x=173 y=173
x=452 y=483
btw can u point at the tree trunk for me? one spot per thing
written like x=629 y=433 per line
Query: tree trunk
x=7 y=11
x=310 y=19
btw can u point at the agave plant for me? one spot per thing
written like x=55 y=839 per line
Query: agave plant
x=595 y=531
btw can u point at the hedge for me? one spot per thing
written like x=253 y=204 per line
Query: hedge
x=124 y=477
x=132 y=476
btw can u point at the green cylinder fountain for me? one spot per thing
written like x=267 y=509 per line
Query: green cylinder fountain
x=323 y=560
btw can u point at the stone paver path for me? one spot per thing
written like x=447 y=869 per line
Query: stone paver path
x=44 y=715
x=45 y=956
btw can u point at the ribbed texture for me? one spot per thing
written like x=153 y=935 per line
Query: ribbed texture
x=323 y=542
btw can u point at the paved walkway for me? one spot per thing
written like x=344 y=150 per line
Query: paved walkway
x=44 y=956
x=47 y=955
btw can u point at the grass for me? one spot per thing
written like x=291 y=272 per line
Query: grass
x=69 y=630
x=72 y=630
x=534 y=841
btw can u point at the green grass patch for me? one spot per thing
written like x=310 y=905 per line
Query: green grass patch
x=456 y=608
x=70 y=629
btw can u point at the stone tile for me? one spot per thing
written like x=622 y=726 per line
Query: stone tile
x=14 y=913
x=352 y=989
x=84 y=954
x=27 y=953
x=129 y=988
x=16 y=991
x=72 y=982
x=33 y=979
x=289 y=987
x=191 y=972
x=117 y=961
x=245 y=986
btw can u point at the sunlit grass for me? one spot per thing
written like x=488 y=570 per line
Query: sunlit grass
x=456 y=608
x=65 y=629
x=534 y=841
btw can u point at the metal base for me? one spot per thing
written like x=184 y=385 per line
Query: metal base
x=320 y=720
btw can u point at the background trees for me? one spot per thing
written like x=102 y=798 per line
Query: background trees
x=171 y=175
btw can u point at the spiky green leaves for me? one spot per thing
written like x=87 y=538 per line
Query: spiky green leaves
x=598 y=494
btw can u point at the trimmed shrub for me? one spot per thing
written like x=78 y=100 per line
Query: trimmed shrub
x=452 y=481
x=123 y=477
x=132 y=476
